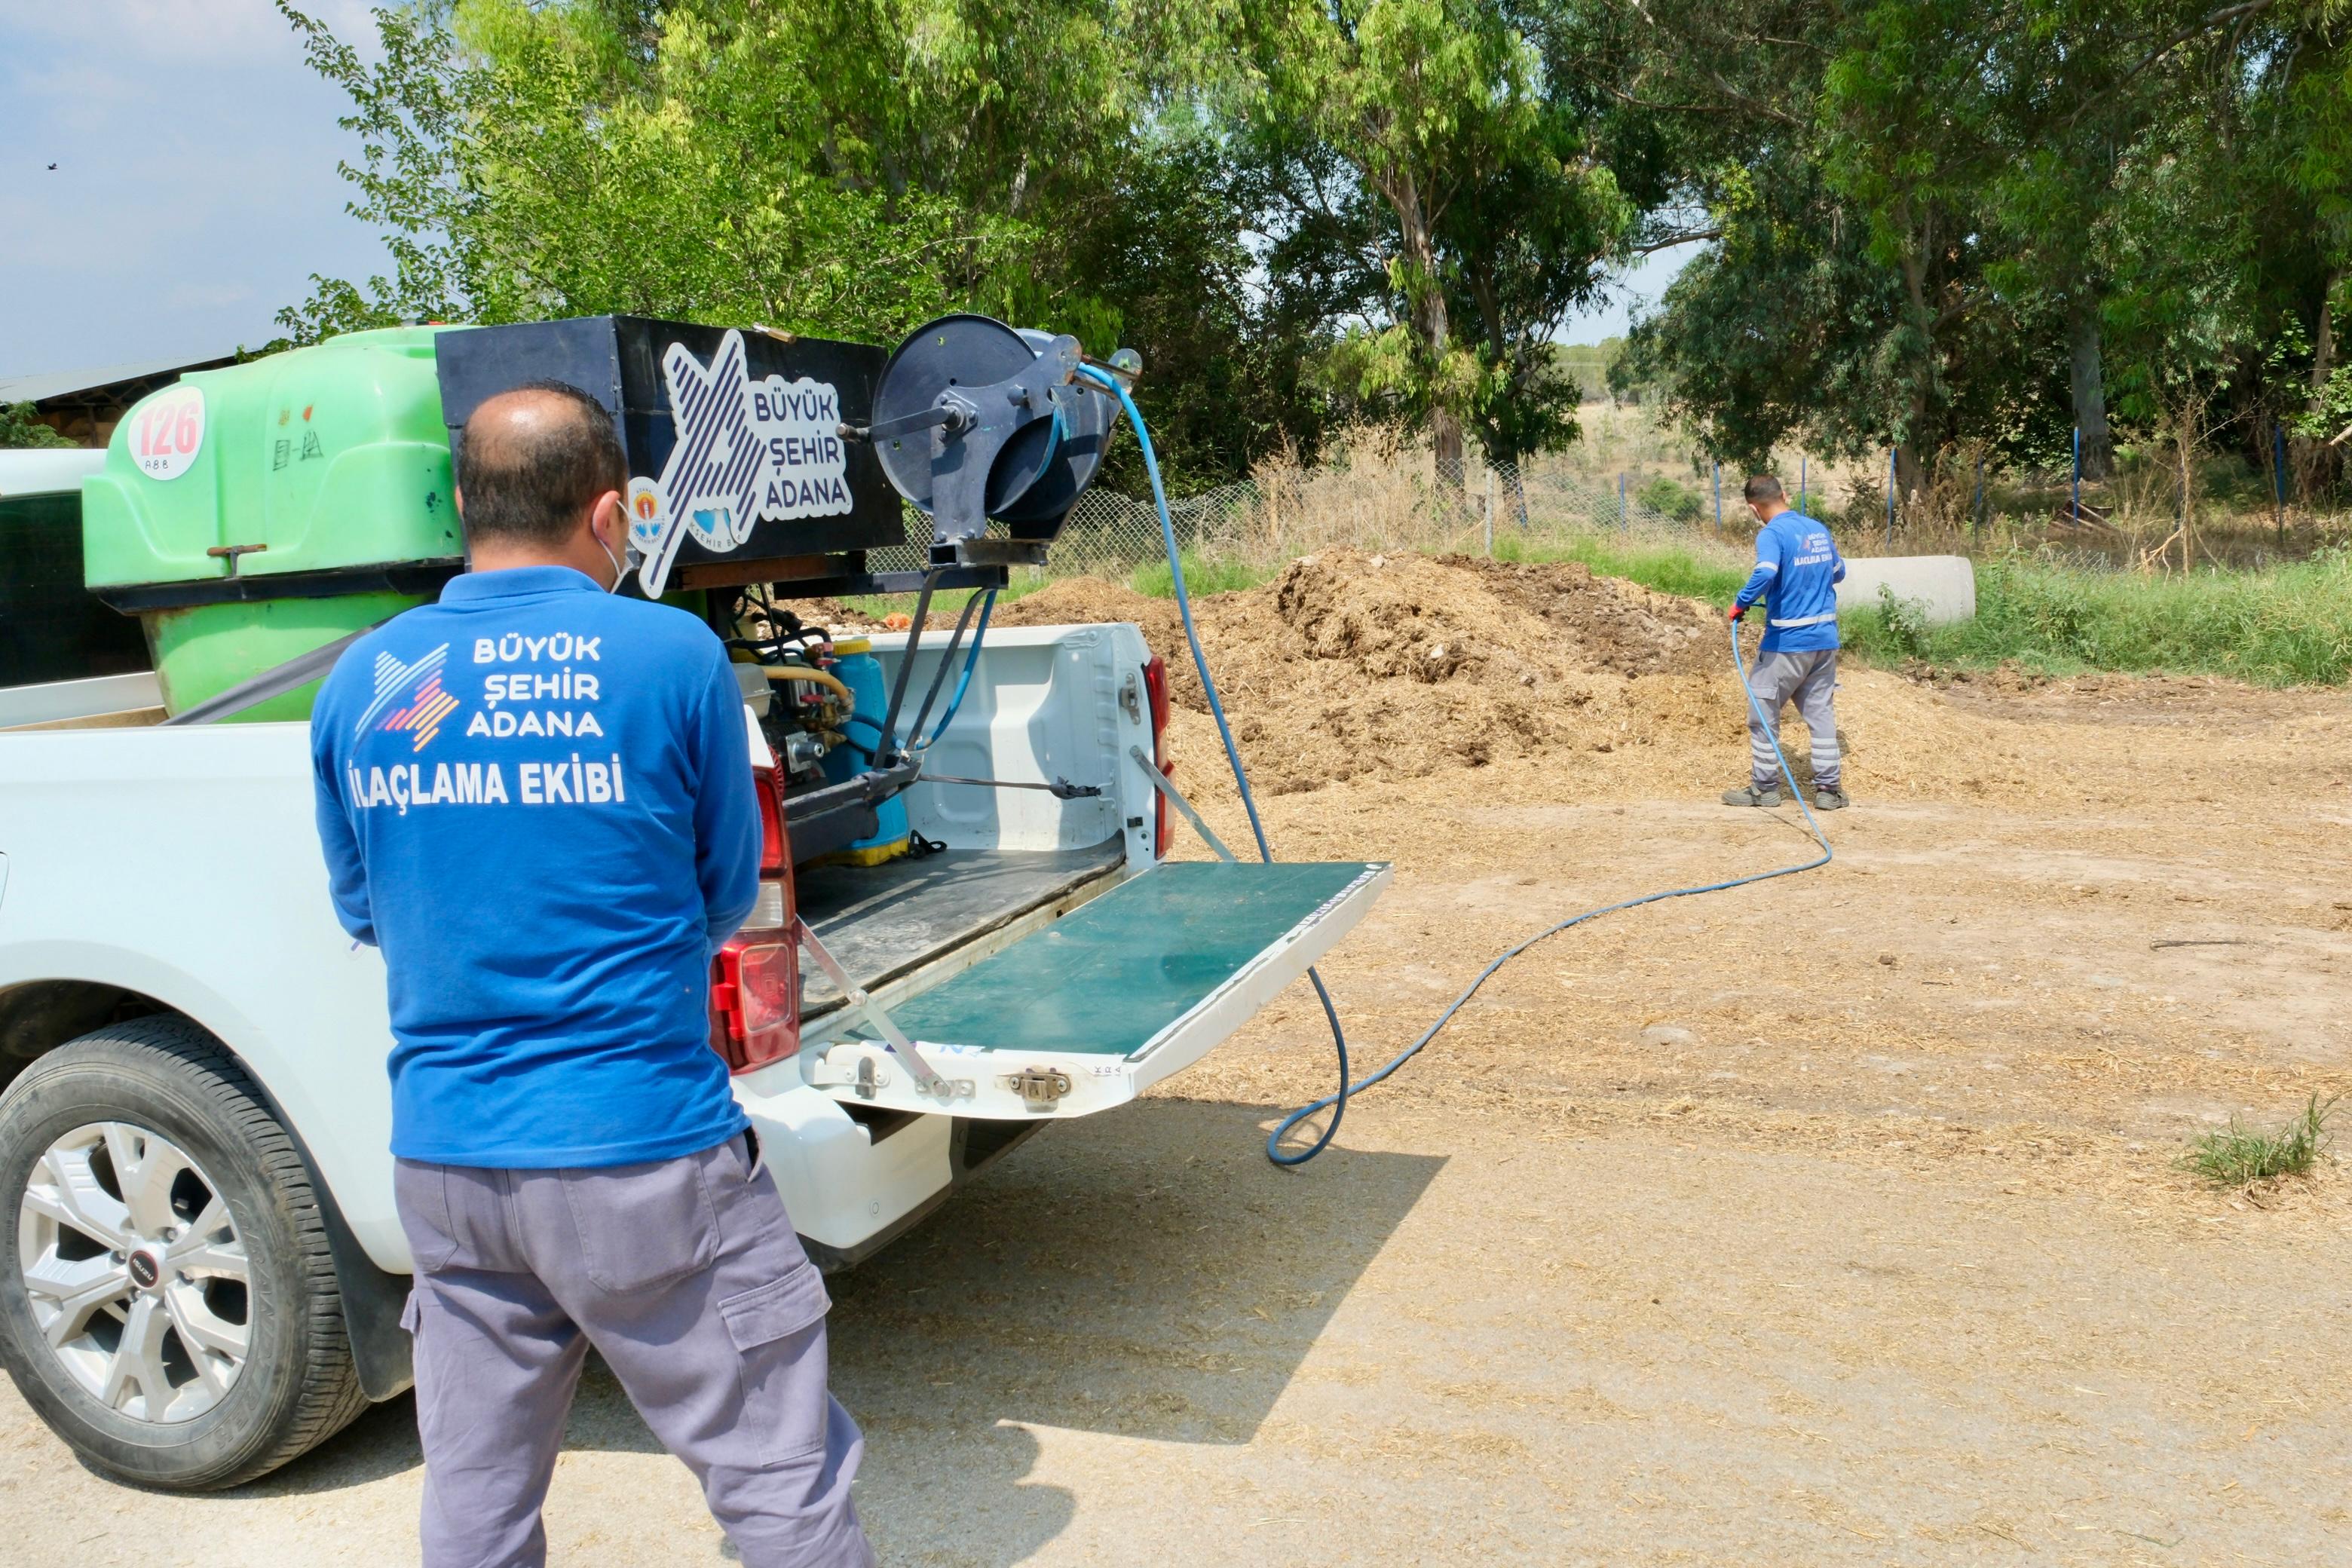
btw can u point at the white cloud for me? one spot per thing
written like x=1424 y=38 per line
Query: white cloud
x=199 y=296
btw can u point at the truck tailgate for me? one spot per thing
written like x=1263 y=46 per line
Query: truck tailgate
x=1127 y=990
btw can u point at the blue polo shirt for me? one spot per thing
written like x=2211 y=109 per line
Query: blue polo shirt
x=1798 y=569
x=536 y=798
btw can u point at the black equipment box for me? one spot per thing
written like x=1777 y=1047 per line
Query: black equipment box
x=732 y=435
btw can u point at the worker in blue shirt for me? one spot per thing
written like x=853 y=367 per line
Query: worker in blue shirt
x=536 y=797
x=1798 y=569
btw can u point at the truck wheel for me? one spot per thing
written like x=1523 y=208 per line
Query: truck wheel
x=167 y=1302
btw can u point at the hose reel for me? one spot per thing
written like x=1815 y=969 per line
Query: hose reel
x=974 y=420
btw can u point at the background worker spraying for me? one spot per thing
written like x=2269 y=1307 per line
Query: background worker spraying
x=1798 y=569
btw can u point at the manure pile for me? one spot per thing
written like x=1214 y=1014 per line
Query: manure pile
x=1404 y=671
x=1348 y=665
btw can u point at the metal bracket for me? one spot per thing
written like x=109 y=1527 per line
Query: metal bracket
x=232 y=553
x=1160 y=782
x=860 y=1003
x=951 y=416
x=982 y=551
x=1060 y=789
x=1039 y=1088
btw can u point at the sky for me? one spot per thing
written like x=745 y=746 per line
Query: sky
x=195 y=190
x=1636 y=292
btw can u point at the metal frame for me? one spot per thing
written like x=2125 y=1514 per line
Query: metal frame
x=850 y=585
x=421 y=577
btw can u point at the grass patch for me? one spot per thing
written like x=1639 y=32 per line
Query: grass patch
x=2240 y=1157
x=1667 y=568
x=947 y=602
x=2282 y=626
x=1202 y=574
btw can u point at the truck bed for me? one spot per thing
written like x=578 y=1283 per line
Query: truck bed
x=886 y=921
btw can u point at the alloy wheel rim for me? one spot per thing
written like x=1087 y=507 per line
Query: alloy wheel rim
x=138 y=1282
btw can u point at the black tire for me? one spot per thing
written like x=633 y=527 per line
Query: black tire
x=298 y=1385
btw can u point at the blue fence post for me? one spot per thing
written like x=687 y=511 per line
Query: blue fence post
x=1801 y=486
x=2278 y=479
x=1719 y=495
x=2074 y=514
x=1976 y=507
x=1890 y=498
x=1624 y=517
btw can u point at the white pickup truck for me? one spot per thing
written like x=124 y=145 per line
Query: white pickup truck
x=205 y=1272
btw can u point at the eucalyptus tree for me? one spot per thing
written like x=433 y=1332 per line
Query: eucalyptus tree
x=1460 y=173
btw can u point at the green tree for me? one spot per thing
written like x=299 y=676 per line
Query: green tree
x=1823 y=144
x=1417 y=97
x=1787 y=325
x=1458 y=177
x=849 y=172
x=1998 y=221
x=1528 y=243
x=21 y=427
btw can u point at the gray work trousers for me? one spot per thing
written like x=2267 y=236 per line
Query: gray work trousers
x=686 y=1277
x=1811 y=679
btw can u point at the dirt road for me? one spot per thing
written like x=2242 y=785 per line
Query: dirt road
x=1831 y=1220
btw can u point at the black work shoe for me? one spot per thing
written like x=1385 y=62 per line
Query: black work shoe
x=1830 y=800
x=1749 y=795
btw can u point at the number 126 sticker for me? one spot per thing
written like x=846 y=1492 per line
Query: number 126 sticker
x=167 y=433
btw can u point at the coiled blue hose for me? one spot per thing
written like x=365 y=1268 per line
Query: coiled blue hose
x=1336 y=1101
x=963 y=681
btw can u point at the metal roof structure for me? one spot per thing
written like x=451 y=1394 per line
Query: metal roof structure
x=85 y=404
x=64 y=384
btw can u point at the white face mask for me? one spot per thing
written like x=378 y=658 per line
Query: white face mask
x=620 y=569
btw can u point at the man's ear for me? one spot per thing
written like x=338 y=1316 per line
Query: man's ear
x=609 y=514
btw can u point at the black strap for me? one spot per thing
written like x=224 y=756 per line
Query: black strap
x=300 y=670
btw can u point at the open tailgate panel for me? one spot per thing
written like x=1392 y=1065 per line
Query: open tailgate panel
x=1130 y=988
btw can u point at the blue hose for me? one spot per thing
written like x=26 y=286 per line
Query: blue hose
x=1232 y=753
x=1336 y=1101
x=1509 y=953
x=963 y=681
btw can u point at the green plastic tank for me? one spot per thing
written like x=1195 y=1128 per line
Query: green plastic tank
x=251 y=514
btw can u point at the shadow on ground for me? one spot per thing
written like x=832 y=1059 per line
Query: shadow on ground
x=1145 y=1274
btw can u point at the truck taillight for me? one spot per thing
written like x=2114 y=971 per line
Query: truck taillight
x=1155 y=687
x=755 y=1000
x=773 y=857
x=755 y=979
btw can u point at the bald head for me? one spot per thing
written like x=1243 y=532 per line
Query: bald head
x=533 y=463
